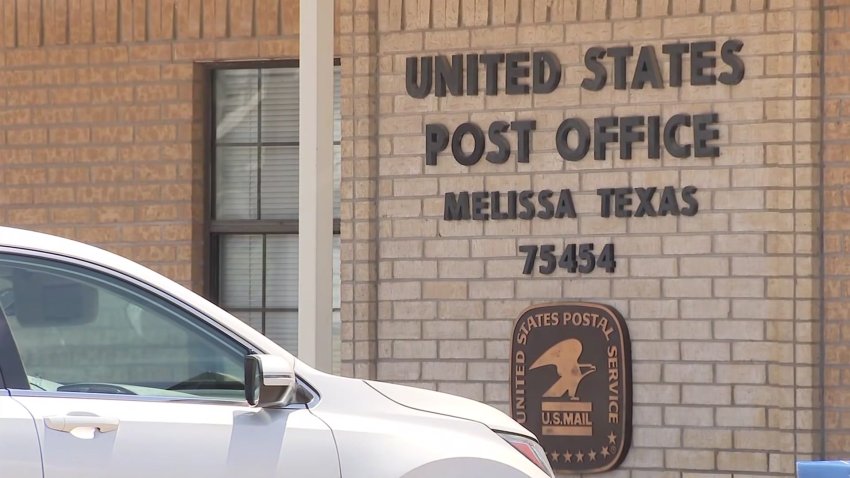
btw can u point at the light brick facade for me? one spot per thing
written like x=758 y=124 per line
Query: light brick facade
x=836 y=374
x=738 y=315
x=723 y=307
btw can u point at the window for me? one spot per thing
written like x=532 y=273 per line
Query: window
x=82 y=331
x=254 y=200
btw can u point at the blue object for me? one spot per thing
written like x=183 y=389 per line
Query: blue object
x=823 y=469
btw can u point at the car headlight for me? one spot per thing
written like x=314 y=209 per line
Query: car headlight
x=530 y=449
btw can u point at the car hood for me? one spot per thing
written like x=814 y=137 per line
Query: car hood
x=449 y=405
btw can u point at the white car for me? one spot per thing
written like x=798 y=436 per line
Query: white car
x=108 y=369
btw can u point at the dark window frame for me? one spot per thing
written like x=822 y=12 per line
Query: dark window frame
x=215 y=229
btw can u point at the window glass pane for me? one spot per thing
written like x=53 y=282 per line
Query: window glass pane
x=336 y=276
x=280 y=182
x=236 y=100
x=282 y=271
x=282 y=327
x=337 y=105
x=280 y=105
x=236 y=182
x=336 y=324
x=81 y=331
x=337 y=177
x=252 y=318
x=241 y=266
x=337 y=343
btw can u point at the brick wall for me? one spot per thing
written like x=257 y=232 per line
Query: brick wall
x=835 y=228
x=101 y=107
x=722 y=306
x=359 y=186
x=101 y=110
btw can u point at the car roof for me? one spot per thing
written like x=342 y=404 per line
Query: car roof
x=32 y=240
x=36 y=241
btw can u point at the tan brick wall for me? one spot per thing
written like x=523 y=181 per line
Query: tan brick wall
x=101 y=110
x=101 y=139
x=722 y=306
x=835 y=229
x=359 y=186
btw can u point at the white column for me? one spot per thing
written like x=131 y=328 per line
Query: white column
x=315 y=181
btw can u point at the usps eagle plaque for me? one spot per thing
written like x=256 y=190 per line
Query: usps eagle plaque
x=571 y=383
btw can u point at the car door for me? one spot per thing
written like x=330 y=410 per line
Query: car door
x=121 y=380
x=19 y=449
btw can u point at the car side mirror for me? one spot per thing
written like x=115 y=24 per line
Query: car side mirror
x=269 y=381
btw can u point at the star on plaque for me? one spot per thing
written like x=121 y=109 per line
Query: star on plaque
x=605 y=452
x=568 y=456
x=555 y=455
x=580 y=457
x=592 y=455
x=612 y=438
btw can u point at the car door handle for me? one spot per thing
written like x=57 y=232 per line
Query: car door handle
x=69 y=423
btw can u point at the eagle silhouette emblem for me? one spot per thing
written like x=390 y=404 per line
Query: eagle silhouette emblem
x=564 y=356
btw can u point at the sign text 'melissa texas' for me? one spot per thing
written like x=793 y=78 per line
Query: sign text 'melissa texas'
x=571 y=383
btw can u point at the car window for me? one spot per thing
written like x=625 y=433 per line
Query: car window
x=79 y=330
